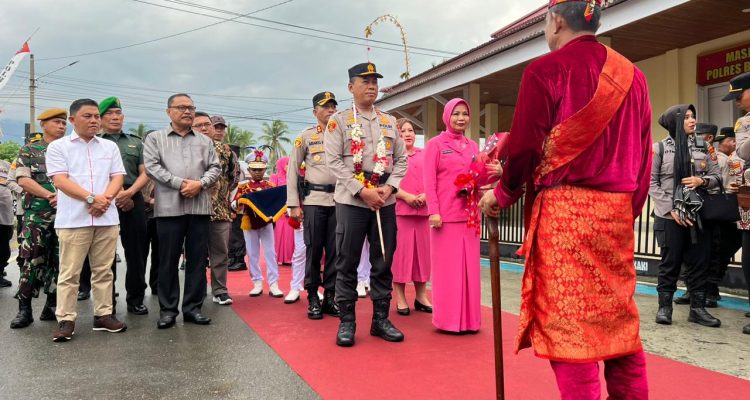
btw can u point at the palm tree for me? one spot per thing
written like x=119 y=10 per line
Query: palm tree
x=275 y=137
x=239 y=137
x=140 y=131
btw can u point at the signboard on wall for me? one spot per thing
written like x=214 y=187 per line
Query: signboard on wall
x=721 y=66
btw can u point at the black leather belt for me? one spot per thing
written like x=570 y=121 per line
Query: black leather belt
x=320 y=188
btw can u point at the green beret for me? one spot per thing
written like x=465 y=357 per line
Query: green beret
x=53 y=113
x=109 y=102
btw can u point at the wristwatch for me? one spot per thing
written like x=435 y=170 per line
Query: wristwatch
x=90 y=199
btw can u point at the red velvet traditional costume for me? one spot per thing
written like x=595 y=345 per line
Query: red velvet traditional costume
x=577 y=295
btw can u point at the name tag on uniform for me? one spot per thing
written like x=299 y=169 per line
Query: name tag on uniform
x=131 y=145
x=446 y=151
x=316 y=148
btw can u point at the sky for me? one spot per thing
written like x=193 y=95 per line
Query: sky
x=253 y=68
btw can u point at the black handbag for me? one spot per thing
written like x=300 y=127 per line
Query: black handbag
x=720 y=207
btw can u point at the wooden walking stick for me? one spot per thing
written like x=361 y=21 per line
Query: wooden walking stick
x=494 y=250
x=380 y=233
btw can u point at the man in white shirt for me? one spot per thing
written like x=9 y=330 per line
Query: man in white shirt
x=88 y=173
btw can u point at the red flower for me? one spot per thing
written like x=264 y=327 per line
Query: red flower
x=463 y=180
x=294 y=223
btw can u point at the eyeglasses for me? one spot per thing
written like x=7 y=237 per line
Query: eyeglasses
x=182 y=109
x=202 y=126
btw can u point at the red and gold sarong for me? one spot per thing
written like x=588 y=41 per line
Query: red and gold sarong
x=577 y=300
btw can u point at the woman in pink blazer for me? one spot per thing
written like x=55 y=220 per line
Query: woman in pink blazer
x=411 y=262
x=456 y=296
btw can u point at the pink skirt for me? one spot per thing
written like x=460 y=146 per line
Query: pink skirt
x=284 y=240
x=411 y=262
x=456 y=285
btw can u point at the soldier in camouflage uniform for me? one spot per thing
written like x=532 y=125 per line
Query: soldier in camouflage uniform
x=39 y=248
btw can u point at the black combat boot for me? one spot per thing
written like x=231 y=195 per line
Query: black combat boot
x=329 y=304
x=712 y=295
x=48 y=312
x=664 y=314
x=684 y=299
x=381 y=326
x=347 y=326
x=314 y=310
x=24 y=317
x=4 y=282
x=698 y=313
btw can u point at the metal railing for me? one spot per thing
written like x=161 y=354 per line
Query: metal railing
x=512 y=230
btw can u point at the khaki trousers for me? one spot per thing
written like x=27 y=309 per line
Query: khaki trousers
x=218 y=255
x=99 y=243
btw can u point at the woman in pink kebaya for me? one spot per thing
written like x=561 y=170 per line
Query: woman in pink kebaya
x=411 y=262
x=455 y=248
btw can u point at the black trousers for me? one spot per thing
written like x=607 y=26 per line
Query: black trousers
x=132 y=232
x=727 y=239
x=746 y=259
x=353 y=225
x=153 y=242
x=6 y=235
x=676 y=248
x=192 y=231
x=320 y=233
x=237 y=250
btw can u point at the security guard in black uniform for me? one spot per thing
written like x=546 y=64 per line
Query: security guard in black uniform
x=365 y=200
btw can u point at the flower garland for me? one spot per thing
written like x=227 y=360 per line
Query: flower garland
x=358 y=148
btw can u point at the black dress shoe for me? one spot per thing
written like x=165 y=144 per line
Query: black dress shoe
x=5 y=283
x=138 y=309
x=747 y=315
x=421 y=307
x=403 y=311
x=314 y=309
x=746 y=329
x=165 y=321
x=83 y=296
x=238 y=266
x=197 y=318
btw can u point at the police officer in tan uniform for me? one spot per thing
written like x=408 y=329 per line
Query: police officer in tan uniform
x=673 y=233
x=363 y=186
x=310 y=187
x=739 y=93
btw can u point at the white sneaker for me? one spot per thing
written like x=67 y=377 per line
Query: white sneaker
x=257 y=289
x=274 y=290
x=362 y=289
x=292 y=296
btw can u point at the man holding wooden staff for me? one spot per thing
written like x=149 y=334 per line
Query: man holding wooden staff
x=581 y=143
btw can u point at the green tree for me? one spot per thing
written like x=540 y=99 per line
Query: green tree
x=9 y=151
x=275 y=137
x=140 y=131
x=239 y=137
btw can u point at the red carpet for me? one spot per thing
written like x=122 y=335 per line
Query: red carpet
x=428 y=364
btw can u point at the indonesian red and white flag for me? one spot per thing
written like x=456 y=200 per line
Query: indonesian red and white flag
x=7 y=72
